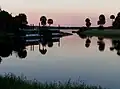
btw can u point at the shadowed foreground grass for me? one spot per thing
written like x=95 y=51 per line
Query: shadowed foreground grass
x=10 y=81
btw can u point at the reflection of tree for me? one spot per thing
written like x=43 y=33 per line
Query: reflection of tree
x=5 y=49
x=101 y=45
x=42 y=50
x=9 y=44
x=87 y=44
x=0 y=59
x=100 y=38
x=22 y=53
x=50 y=44
x=115 y=46
x=46 y=40
x=19 y=47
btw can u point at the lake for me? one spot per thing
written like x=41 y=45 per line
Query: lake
x=69 y=58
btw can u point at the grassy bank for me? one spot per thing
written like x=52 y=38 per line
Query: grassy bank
x=10 y=81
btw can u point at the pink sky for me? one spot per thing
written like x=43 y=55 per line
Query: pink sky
x=64 y=12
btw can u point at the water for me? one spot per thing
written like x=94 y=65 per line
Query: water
x=69 y=60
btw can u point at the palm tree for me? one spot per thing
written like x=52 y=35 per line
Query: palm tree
x=43 y=20
x=50 y=21
x=112 y=17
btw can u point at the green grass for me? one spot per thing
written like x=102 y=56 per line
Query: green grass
x=10 y=81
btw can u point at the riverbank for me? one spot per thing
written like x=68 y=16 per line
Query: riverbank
x=10 y=81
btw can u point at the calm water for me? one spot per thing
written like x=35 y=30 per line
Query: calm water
x=71 y=60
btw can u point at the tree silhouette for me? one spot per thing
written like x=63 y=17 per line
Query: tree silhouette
x=0 y=59
x=20 y=20
x=22 y=53
x=116 y=23
x=118 y=52
x=100 y=38
x=101 y=20
x=5 y=49
x=88 y=23
x=50 y=21
x=43 y=20
x=87 y=43
x=50 y=44
x=5 y=21
x=101 y=45
x=111 y=48
x=23 y=18
x=43 y=50
x=112 y=17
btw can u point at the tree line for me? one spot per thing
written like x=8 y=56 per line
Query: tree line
x=9 y=23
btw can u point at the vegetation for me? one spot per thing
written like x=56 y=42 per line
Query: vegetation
x=112 y=17
x=9 y=24
x=88 y=23
x=101 y=20
x=116 y=23
x=43 y=20
x=10 y=81
x=50 y=21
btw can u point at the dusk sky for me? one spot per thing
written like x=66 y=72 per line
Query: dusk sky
x=73 y=11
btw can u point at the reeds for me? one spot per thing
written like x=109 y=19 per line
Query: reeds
x=10 y=81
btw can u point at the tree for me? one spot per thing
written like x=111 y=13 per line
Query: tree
x=50 y=21
x=101 y=20
x=88 y=23
x=5 y=21
x=116 y=23
x=23 y=18
x=87 y=43
x=20 y=20
x=43 y=20
x=112 y=17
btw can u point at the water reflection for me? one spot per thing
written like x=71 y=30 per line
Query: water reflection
x=46 y=39
x=17 y=44
x=101 y=44
x=115 y=46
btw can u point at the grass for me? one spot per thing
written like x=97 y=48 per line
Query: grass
x=10 y=81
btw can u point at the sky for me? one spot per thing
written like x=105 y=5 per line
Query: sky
x=72 y=10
